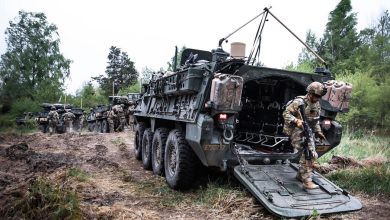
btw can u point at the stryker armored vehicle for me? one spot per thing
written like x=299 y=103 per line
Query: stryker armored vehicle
x=22 y=120
x=220 y=110
x=78 y=112
x=43 y=122
x=97 y=119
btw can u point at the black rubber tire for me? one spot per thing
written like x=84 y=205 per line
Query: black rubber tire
x=139 y=132
x=147 y=149
x=91 y=127
x=180 y=162
x=158 y=147
x=105 y=126
x=98 y=126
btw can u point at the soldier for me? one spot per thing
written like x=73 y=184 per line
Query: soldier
x=131 y=117
x=293 y=127
x=121 y=118
x=112 y=115
x=53 y=119
x=81 y=122
x=68 y=119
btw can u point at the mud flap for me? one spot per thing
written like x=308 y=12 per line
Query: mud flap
x=277 y=189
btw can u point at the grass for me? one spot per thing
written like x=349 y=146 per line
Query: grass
x=214 y=194
x=45 y=200
x=374 y=180
x=360 y=147
x=116 y=140
x=78 y=174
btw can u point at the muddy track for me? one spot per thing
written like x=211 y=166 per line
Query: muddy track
x=116 y=186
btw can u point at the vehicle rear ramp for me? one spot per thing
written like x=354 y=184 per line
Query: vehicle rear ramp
x=276 y=187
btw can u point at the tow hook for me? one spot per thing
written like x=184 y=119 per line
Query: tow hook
x=228 y=133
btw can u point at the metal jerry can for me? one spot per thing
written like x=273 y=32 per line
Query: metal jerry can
x=226 y=92
x=338 y=94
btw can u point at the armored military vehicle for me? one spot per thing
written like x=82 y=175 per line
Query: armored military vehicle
x=97 y=119
x=78 y=112
x=220 y=110
x=22 y=120
x=42 y=120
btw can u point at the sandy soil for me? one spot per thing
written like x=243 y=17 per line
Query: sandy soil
x=117 y=187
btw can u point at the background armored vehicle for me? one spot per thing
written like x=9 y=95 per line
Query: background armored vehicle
x=222 y=111
x=97 y=119
x=42 y=120
x=78 y=112
x=22 y=120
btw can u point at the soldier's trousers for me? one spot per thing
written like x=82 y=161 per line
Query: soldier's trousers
x=110 y=124
x=69 y=126
x=305 y=170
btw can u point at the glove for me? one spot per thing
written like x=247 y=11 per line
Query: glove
x=299 y=123
x=321 y=135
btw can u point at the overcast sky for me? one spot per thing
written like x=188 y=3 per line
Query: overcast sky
x=148 y=30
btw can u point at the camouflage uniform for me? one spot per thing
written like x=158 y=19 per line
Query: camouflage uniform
x=68 y=119
x=53 y=119
x=81 y=122
x=112 y=115
x=121 y=118
x=131 y=117
x=291 y=115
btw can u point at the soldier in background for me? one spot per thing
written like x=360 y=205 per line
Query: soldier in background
x=68 y=119
x=121 y=118
x=81 y=122
x=131 y=117
x=53 y=119
x=112 y=115
x=293 y=127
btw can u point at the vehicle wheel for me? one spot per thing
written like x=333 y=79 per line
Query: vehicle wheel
x=139 y=132
x=158 y=147
x=98 y=126
x=90 y=127
x=105 y=126
x=146 y=149
x=179 y=162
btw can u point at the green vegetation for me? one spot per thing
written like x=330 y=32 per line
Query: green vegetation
x=213 y=194
x=374 y=180
x=360 y=58
x=32 y=61
x=45 y=200
x=360 y=146
x=78 y=174
x=120 y=72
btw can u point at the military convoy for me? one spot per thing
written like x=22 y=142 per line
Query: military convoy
x=43 y=122
x=219 y=110
x=98 y=118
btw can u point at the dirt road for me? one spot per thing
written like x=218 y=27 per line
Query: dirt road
x=111 y=184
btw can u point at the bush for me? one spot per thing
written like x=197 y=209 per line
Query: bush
x=370 y=104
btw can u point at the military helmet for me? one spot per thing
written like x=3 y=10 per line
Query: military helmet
x=52 y=107
x=316 y=88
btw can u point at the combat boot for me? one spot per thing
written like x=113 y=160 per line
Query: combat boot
x=310 y=185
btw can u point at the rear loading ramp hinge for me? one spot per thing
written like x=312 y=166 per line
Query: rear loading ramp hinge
x=276 y=187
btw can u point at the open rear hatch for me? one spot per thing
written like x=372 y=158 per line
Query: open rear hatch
x=276 y=187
